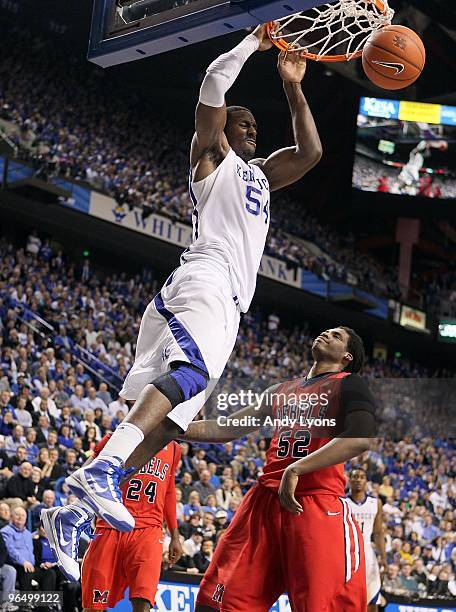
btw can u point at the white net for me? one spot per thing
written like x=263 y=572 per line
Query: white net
x=338 y=29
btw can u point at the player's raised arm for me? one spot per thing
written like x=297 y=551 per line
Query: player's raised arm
x=211 y=430
x=210 y=118
x=288 y=165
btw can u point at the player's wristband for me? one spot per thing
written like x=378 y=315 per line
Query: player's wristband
x=223 y=71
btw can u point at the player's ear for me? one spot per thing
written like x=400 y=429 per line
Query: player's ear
x=348 y=357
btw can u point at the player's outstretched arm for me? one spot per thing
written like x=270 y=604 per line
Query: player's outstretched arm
x=288 y=165
x=210 y=118
x=225 y=430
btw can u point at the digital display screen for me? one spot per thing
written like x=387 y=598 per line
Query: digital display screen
x=406 y=148
x=447 y=330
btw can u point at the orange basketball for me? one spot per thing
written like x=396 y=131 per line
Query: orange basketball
x=393 y=57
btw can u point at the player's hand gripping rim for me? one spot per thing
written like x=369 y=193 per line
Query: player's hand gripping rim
x=287 y=490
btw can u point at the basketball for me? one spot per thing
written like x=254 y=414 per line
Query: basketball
x=393 y=57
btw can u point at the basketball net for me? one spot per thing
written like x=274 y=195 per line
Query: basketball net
x=332 y=32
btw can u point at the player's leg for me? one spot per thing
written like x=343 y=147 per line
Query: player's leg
x=140 y=605
x=64 y=525
x=245 y=571
x=173 y=339
x=142 y=561
x=326 y=581
x=372 y=608
x=103 y=579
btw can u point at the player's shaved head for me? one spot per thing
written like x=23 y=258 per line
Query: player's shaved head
x=232 y=110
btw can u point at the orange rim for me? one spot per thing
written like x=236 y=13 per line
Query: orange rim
x=283 y=45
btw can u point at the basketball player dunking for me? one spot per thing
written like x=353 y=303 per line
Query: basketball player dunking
x=294 y=530
x=368 y=513
x=189 y=329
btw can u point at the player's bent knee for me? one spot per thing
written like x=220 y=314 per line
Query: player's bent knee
x=182 y=382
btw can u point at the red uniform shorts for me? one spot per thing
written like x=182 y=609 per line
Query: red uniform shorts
x=317 y=557
x=115 y=561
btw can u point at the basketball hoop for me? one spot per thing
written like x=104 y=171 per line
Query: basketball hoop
x=333 y=32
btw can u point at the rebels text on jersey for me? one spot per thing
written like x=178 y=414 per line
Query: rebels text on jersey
x=310 y=414
x=150 y=495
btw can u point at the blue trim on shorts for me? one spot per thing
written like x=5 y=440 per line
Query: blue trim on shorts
x=374 y=599
x=181 y=335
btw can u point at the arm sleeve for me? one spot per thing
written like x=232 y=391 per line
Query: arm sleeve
x=223 y=71
x=170 y=499
x=101 y=444
x=358 y=408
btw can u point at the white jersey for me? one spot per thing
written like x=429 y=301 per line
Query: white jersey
x=231 y=222
x=411 y=171
x=365 y=513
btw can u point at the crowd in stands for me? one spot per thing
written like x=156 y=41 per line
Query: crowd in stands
x=139 y=158
x=54 y=409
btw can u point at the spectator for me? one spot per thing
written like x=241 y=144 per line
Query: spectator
x=43 y=404
x=31 y=448
x=46 y=570
x=188 y=527
x=14 y=440
x=225 y=494
x=19 y=544
x=19 y=458
x=5 y=514
x=7 y=572
x=203 y=486
x=77 y=398
x=439 y=587
x=48 y=502
x=104 y=395
x=92 y=402
x=193 y=505
x=391 y=582
x=202 y=558
x=23 y=416
x=193 y=544
x=408 y=583
x=221 y=520
x=90 y=439
x=65 y=439
x=19 y=489
x=186 y=485
x=38 y=484
x=42 y=429
x=118 y=405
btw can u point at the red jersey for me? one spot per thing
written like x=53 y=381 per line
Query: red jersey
x=150 y=495
x=300 y=400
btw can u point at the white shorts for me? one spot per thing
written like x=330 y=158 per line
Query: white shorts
x=374 y=583
x=194 y=318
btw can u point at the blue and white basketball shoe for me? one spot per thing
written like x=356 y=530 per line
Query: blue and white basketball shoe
x=64 y=526
x=98 y=485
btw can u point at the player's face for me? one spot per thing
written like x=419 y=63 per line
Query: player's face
x=358 y=481
x=241 y=132
x=331 y=345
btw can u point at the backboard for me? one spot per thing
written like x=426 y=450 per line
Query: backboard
x=127 y=30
